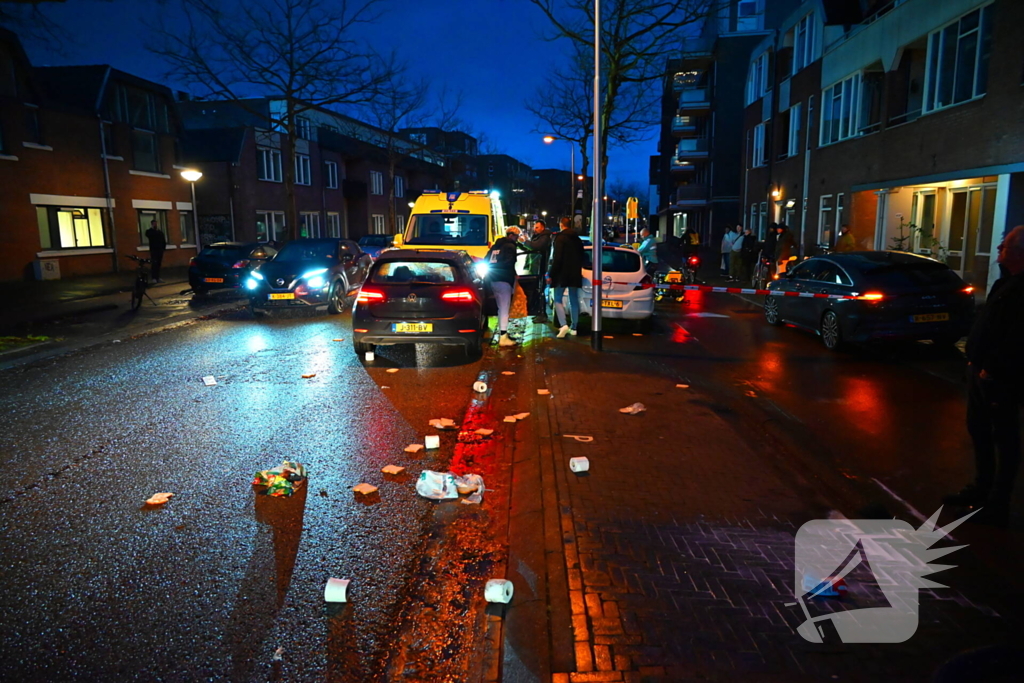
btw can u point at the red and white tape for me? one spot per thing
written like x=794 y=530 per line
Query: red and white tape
x=742 y=290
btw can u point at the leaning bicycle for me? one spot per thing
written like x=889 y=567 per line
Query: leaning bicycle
x=141 y=281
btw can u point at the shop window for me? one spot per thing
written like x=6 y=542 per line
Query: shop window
x=70 y=228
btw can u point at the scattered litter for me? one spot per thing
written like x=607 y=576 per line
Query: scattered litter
x=752 y=394
x=323 y=492
x=498 y=590
x=579 y=437
x=210 y=381
x=443 y=423
x=384 y=387
x=543 y=392
x=364 y=489
x=310 y=375
x=579 y=464
x=159 y=498
x=682 y=386
x=436 y=485
x=393 y=469
x=336 y=590
x=278 y=655
x=484 y=432
x=369 y=356
x=117 y=341
x=432 y=441
x=337 y=340
x=283 y=480
x=414 y=448
x=521 y=416
x=392 y=370
x=508 y=372
x=473 y=485
x=634 y=409
x=510 y=418
x=637 y=334
x=480 y=387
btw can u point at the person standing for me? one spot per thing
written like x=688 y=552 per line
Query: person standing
x=735 y=236
x=157 y=245
x=846 y=241
x=565 y=274
x=785 y=247
x=748 y=252
x=501 y=272
x=726 y=249
x=995 y=389
x=691 y=242
x=648 y=250
x=540 y=245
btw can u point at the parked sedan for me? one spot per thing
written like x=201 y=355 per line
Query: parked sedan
x=895 y=295
x=225 y=265
x=627 y=291
x=319 y=273
x=414 y=296
x=374 y=244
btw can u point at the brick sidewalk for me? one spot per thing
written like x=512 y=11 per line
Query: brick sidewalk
x=678 y=545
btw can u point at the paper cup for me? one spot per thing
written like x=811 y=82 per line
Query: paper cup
x=579 y=464
x=432 y=441
x=369 y=356
x=336 y=590
x=480 y=387
x=498 y=590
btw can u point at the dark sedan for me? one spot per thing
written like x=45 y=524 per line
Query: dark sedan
x=895 y=295
x=318 y=273
x=420 y=296
x=374 y=244
x=225 y=265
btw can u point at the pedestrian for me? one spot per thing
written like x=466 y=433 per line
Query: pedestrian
x=540 y=245
x=565 y=275
x=735 y=236
x=785 y=248
x=846 y=241
x=769 y=241
x=691 y=242
x=501 y=272
x=157 y=245
x=726 y=249
x=648 y=250
x=995 y=389
x=748 y=250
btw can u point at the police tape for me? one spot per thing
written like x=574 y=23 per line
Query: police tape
x=743 y=290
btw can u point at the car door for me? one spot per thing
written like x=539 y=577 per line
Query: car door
x=361 y=262
x=801 y=279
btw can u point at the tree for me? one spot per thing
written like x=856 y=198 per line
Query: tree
x=306 y=53
x=636 y=36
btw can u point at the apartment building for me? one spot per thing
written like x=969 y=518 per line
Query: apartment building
x=905 y=124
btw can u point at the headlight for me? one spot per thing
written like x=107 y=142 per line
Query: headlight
x=316 y=282
x=256 y=274
x=481 y=268
x=251 y=283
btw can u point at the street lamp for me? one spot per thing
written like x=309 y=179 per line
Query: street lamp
x=598 y=234
x=548 y=139
x=192 y=175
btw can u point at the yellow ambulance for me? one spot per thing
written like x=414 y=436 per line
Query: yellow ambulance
x=462 y=221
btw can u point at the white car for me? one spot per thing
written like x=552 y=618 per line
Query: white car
x=627 y=292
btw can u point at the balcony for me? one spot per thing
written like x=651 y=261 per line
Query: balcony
x=683 y=80
x=692 y=148
x=683 y=126
x=691 y=195
x=694 y=100
x=681 y=166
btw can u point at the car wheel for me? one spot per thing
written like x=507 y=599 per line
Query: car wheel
x=771 y=310
x=362 y=348
x=831 y=334
x=200 y=292
x=338 y=298
x=475 y=349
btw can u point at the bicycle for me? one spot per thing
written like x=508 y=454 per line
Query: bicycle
x=141 y=281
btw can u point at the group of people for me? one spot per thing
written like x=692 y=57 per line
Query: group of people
x=557 y=258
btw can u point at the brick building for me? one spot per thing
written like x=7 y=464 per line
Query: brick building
x=906 y=116
x=88 y=158
x=511 y=178
x=458 y=149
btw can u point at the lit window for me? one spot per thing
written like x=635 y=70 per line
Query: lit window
x=69 y=228
x=958 y=57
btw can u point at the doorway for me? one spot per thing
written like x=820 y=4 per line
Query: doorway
x=971 y=217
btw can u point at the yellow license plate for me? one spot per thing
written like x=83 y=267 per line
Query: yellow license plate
x=674 y=277
x=285 y=295
x=412 y=327
x=213 y=279
x=610 y=303
x=929 y=317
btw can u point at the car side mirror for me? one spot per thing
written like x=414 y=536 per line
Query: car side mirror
x=347 y=258
x=399 y=240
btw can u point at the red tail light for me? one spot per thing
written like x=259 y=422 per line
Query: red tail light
x=646 y=283
x=192 y=261
x=694 y=260
x=241 y=264
x=371 y=296
x=871 y=296
x=461 y=294
x=968 y=290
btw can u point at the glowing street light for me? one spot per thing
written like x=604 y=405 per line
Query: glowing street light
x=548 y=139
x=192 y=175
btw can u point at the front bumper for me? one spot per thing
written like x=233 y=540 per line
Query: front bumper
x=197 y=280
x=316 y=299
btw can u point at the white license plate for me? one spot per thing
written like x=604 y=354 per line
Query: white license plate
x=929 y=317
x=412 y=327
x=284 y=295
x=610 y=303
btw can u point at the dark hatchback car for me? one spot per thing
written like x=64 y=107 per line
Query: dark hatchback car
x=375 y=244
x=319 y=273
x=897 y=296
x=225 y=265
x=415 y=296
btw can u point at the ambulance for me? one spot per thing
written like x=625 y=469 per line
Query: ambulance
x=460 y=221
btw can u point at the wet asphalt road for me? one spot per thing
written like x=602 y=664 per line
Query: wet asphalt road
x=210 y=586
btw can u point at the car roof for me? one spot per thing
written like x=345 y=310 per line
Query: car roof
x=870 y=260
x=407 y=254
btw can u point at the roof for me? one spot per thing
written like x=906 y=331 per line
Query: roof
x=869 y=260
x=213 y=144
x=404 y=254
x=82 y=87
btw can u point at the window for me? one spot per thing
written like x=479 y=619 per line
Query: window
x=303 y=128
x=958 y=58
x=309 y=224
x=33 y=129
x=803 y=43
x=139 y=108
x=840 y=207
x=762 y=221
x=376 y=182
x=269 y=164
x=69 y=228
x=757 y=79
x=869 y=115
x=759 y=158
x=188 y=233
x=331 y=174
x=378 y=224
x=145 y=155
x=333 y=225
x=407 y=271
x=825 y=224
x=838 y=114
x=269 y=226
x=146 y=218
x=109 y=148
x=906 y=84
x=399 y=186
x=302 y=170
x=749 y=16
x=794 y=146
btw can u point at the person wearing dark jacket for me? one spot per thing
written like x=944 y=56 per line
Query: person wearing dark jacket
x=995 y=389
x=501 y=272
x=157 y=244
x=770 y=240
x=785 y=247
x=565 y=273
x=540 y=245
x=748 y=255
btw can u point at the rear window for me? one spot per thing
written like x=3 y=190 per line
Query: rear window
x=374 y=241
x=911 y=275
x=222 y=251
x=614 y=261
x=407 y=272
x=444 y=228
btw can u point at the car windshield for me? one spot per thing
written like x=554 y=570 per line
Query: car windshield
x=222 y=251
x=921 y=273
x=374 y=241
x=308 y=250
x=412 y=272
x=614 y=260
x=445 y=228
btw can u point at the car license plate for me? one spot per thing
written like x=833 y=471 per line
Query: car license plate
x=213 y=279
x=610 y=303
x=674 y=277
x=412 y=327
x=284 y=295
x=929 y=317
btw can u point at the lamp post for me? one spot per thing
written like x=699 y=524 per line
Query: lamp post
x=192 y=175
x=597 y=235
x=548 y=139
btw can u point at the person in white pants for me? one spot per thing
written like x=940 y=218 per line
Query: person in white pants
x=501 y=261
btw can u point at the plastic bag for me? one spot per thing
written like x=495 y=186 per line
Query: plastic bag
x=472 y=484
x=437 y=485
x=518 y=308
x=283 y=480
